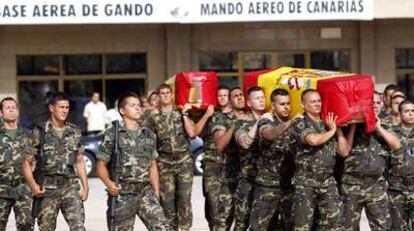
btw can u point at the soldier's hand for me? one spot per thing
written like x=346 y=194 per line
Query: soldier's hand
x=36 y=191
x=378 y=122
x=297 y=116
x=84 y=194
x=210 y=110
x=331 y=121
x=187 y=107
x=267 y=115
x=114 y=189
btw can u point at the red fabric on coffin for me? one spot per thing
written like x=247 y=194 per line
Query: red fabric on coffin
x=350 y=98
x=197 y=88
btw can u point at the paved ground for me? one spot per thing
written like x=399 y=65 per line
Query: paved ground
x=96 y=207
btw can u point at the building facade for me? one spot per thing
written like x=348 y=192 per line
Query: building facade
x=110 y=58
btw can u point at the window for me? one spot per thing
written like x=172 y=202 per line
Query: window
x=79 y=76
x=256 y=61
x=218 y=61
x=126 y=63
x=291 y=60
x=33 y=96
x=82 y=64
x=330 y=60
x=38 y=65
x=229 y=81
x=404 y=58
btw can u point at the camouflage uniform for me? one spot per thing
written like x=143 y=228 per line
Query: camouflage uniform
x=248 y=170
x=220 y=172
x=401 y=181
x=14 y=193
x=363 y=182
x=315 y=186
x=386 y=119
x=267 y=190
x=61 y=184
x=175 y=166
x=137 y=197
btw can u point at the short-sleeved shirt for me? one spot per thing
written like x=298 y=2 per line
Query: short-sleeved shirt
x=273 y=153
x=214 y=159
x=248 y=157
x=59 y=153
x=12 y=147
x=402 y=160
x=137 y=153
x=312 y=159
x=367 y=157
x=170 y=131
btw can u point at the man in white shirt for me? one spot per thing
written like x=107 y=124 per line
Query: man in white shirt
x=94 y=113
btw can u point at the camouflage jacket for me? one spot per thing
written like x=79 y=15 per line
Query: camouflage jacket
x=171 y=134
x=137 y=150
x=59 y=154
x=248 y=157
x=216 y=161
x=367 y=158
x=401 y=168
x=271 y=158
x=386 y=119
x=312 y=160
x=11 y=156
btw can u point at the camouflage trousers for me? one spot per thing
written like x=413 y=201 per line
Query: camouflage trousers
x=282 y=219
x=402 y=210
x=176 y=181
x=325 y=198
x=219 y=198
x=373 y=198
x=22 y=207
x=145 y=204
x=66 y=199
x=243 y=200
x=266 y=201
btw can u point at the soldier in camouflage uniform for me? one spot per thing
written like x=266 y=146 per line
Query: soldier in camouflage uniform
x=315 y=186
x=63 y=153
x=14 y=193
x=138 y=191
x=175 y=164
x=363 y=182
x=385 y=113
x=274 y=142
x=247 y=139
x=220 y=161
x=391 y=116
x=401 y=172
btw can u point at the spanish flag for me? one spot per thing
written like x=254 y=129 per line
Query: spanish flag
x=349 y=96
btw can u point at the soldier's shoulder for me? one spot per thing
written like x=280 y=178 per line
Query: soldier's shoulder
x=74 y=127
x=148 y=133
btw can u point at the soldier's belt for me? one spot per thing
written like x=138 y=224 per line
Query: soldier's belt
x=132 y=187
x=12 y=183
x=321 y=177
x=174 y=156
x=58 y=180
x=360 y=179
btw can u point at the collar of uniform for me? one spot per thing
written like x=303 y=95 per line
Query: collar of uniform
x=306 y=117
x=19 y=129
x=48 y=125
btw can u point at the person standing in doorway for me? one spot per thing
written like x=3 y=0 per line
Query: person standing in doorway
x=94 y=113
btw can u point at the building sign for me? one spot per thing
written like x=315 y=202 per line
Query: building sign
x=179 y=11
x=204 y=11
